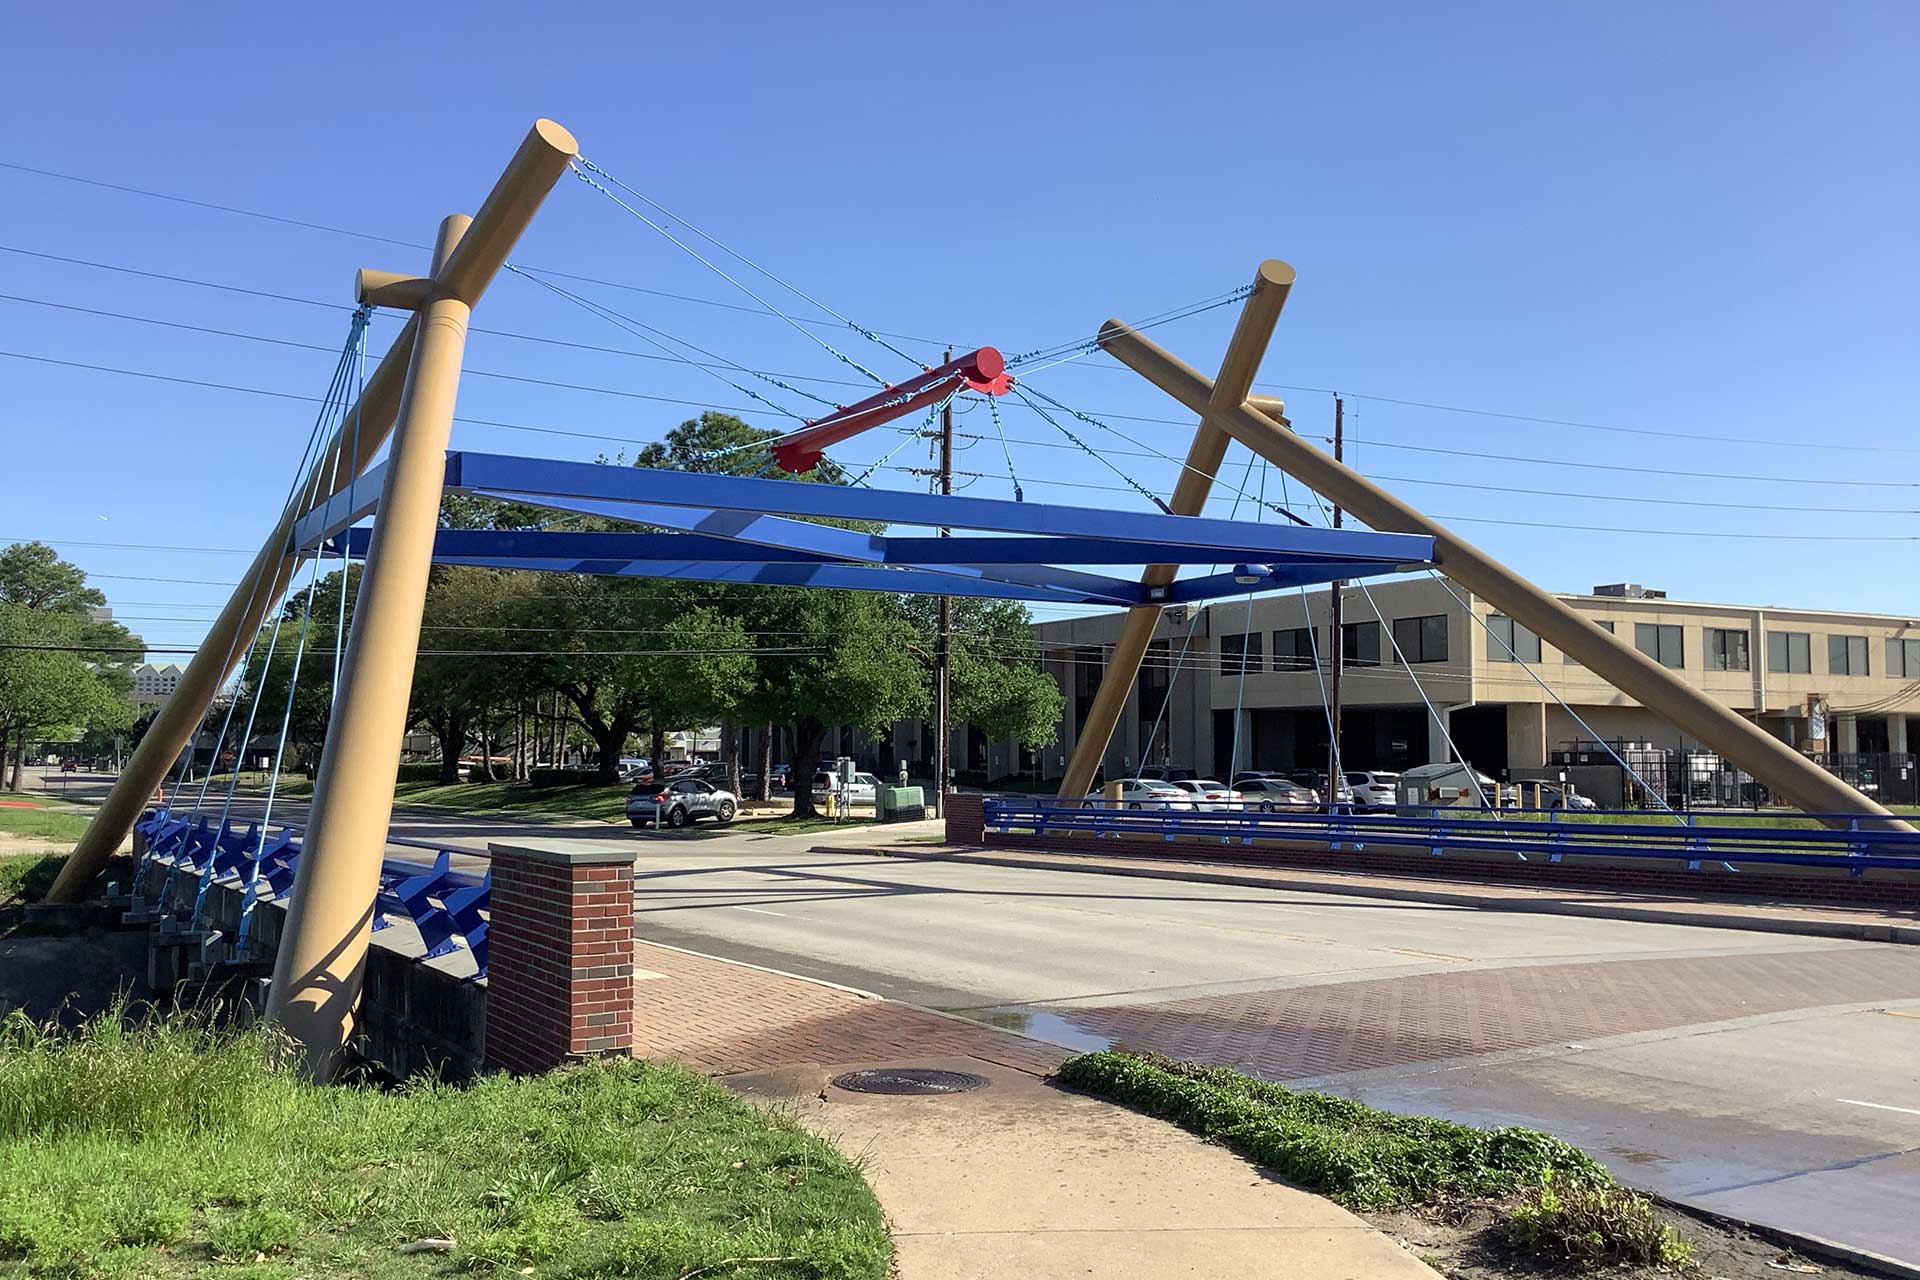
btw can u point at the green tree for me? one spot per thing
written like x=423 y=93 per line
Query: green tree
x=844 y=658
x=723 y=444
x=313 y=696
x=994 y=679
x=61 y=669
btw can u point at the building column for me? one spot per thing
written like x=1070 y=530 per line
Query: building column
x=1897 y=733
x=1848 y=730
x=1526 y=735
x=1437 y=752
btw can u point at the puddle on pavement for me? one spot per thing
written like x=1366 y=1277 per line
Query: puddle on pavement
x=1637 y=1157
x=1041 y=1024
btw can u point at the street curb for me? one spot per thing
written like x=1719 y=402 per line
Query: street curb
x=1278 y=879
x=1811 y=1245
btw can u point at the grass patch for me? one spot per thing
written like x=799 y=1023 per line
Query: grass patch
x=43 y=824
x=174 y=1148
x=26 y=877
x=1558 y=1201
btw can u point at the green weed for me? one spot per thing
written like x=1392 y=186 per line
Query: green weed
x=1594 y=1225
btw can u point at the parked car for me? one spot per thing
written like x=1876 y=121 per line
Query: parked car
x=1209 y=794
x=1315 y=780
x=1555 y=796
x=1148 y=793
x=678 y=801
x=1373 y=788
x=1167 y=773
x=864 y=789
x=1269 y=794
x=636 y=769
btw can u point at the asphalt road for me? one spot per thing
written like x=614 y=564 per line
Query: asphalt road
x=1767 y=1077
x=1764 y=1076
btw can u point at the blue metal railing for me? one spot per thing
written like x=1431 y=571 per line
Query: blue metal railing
x=1520 y=833
x=448 y=908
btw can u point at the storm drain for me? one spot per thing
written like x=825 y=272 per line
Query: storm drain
x=908 y=1080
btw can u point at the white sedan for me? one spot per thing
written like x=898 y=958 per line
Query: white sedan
x=1208 y=794
x=1148 y=793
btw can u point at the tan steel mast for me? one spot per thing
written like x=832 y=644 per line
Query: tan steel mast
x=318 y=968
x=1258 y=317
x=1225 y=405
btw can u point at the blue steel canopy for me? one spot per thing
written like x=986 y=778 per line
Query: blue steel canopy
x=738 y=529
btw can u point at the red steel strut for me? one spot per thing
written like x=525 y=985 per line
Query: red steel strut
x=984 y=371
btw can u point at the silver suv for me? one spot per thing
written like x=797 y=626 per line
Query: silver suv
x=678 y=801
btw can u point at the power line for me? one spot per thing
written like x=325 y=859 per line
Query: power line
x=1510 y=459
x=768 y=311
x=409 y=244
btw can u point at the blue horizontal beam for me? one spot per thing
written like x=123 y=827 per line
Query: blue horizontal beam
x=543 y=544
x=1216 y=585
x=539 y=479
x=850 y=577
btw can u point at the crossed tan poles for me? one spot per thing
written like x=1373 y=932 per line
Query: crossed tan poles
x=323 y=946
x=1227 y=412
x=322 y=950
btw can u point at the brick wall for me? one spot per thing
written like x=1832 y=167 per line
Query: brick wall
x=560 y=969
x=1712 y=880
x=963 y=816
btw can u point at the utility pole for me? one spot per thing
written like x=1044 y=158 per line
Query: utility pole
x=1336 y=633
x=943 y=643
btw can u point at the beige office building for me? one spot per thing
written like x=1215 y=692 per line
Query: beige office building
x=1234 y=685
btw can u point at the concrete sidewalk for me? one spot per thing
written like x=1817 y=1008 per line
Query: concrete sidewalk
x=1017 y=1179
x=1020 y=1179
x=1864 y=924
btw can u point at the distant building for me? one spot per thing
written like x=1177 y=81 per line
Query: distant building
x=154 y=685
x=1237 y=685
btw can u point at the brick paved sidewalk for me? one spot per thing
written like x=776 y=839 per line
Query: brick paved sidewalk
x=1330 y=1028
x=723 y=1018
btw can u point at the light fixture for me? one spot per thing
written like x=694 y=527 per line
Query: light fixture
x=1248 y=574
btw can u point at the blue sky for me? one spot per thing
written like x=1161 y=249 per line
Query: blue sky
x=1693 y=219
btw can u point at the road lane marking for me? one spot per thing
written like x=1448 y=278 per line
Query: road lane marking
x=757 y=911
x=1879 y=1106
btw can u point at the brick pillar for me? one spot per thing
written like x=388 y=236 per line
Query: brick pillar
x=560 y=965
x=964 y=817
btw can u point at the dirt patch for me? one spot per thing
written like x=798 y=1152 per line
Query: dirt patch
x=71 y=976
x=1462 y=1242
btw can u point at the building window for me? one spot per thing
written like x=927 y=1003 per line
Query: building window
x=1293 y=650
x=1660 y=641
x=1360 y=644
x=1847 y=655
x=1903 y=658
x=1511 y=641
x=1727 y=650
x=1422 y=639
x=1238 y=650
x=1790 y=652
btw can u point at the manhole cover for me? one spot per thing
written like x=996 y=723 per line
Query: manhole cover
x=908 y=1080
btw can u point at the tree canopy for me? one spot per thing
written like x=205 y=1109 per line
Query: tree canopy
x=62 y=670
